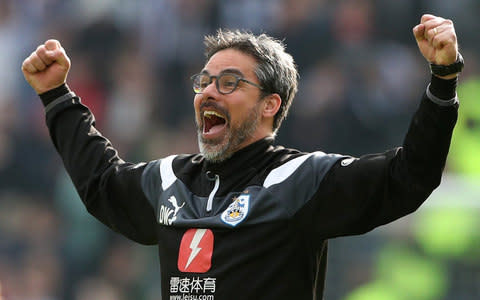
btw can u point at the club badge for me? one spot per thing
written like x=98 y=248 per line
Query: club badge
x=237 y=211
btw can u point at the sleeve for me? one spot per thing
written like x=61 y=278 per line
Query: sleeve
x=359 y=194
x=110 y=188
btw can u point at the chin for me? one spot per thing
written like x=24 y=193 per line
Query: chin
x=214 y=152
x=214 y=155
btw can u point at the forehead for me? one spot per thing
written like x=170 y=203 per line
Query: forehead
x=231 y=59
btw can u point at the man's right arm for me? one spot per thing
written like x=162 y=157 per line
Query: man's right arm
x=109 y=187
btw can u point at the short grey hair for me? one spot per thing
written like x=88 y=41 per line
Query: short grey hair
x=276 y=69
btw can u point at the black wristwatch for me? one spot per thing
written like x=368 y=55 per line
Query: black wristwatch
x=456 y=67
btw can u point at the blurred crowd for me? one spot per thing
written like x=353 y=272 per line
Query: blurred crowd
x=361 y=79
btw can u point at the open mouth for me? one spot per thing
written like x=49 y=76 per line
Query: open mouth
x=213 y=122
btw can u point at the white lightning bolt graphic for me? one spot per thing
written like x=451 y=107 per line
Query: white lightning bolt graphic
x=197 y=237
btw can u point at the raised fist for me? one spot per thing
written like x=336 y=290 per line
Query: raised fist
x=436 y=40
x=47 y=67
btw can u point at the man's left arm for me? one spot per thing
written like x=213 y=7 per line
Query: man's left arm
x=360 y=194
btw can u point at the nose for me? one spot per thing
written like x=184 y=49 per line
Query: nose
x=210 y=91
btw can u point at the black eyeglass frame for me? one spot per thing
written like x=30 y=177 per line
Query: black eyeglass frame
x=237 y=77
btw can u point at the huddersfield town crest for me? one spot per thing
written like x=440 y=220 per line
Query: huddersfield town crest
x=236 y=211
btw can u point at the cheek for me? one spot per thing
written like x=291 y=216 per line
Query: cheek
x=241 y=108
x=238 y=115
x=196 y=101
x=196 y=106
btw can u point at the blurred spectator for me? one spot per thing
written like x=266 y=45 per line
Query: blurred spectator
x=130 y=109
x=305 y=26
x=258 y=16
x=97 y=288
x=41 y=277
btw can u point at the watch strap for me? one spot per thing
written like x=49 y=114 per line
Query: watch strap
x=442 y=70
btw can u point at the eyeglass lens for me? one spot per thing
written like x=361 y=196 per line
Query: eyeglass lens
x=226 y=83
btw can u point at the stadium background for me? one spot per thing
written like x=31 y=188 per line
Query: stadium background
x=361 y=78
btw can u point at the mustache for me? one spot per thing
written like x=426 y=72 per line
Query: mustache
x=213 y=105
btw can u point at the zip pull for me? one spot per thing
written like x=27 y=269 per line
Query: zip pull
x=214 y=191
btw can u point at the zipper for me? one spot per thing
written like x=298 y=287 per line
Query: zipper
x=214 y=191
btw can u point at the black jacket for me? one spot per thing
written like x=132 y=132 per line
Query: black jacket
x=256 y=225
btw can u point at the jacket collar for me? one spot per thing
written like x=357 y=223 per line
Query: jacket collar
x=245 y=158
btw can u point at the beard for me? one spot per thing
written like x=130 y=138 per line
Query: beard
x=218 y=150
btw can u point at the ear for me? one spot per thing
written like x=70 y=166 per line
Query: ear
x=271 y=105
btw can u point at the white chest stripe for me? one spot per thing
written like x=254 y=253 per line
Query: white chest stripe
x=166 y=172
x=212 y=193
x=281 y=173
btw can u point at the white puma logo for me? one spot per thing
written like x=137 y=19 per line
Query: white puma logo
x=166 y=212
x=173 y=200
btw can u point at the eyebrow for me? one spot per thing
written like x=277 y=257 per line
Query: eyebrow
x=225 y=71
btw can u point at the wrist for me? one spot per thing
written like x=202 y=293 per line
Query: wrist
x=448 y=71
x=54 y=93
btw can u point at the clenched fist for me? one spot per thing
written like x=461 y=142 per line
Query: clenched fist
x=436 y=40
x=47 y=67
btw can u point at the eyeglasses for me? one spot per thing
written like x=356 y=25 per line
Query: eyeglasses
x=225 y=83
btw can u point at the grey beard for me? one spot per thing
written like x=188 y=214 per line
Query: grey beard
x=216 y=152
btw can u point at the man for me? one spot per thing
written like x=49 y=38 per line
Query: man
x=245 y=219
